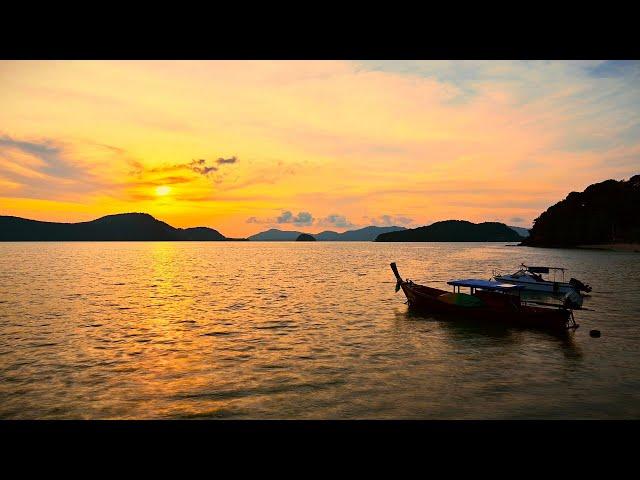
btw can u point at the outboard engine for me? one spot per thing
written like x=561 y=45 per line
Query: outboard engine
x=573 y=300
x=579 y=286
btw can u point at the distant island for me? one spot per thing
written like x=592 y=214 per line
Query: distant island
x=454 y=231
x=365 y=234
x=604 y=214
x=144 y=227
x=305 y=237
x=121 y=227
x=523 y=232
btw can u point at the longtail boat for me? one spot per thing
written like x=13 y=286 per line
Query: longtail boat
x=489 y=301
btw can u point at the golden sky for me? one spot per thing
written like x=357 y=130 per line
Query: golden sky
x=242 y=146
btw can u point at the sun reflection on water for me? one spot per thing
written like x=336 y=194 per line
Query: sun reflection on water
x=286 y=330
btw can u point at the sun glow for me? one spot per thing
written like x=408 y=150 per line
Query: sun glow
x=163 y=190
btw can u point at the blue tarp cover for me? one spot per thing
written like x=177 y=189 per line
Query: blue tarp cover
x=484 y=284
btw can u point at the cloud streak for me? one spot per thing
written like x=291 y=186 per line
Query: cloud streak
x=44 y=168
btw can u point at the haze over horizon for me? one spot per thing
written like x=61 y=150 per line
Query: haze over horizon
x=244 y=146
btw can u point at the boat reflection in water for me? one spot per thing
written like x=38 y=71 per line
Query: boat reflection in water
x=488 y=302
x=458 y=332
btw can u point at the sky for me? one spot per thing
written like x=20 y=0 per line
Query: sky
x=243 y=146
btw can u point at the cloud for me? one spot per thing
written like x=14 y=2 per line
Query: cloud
x=42 y=168
x=174 y=180
x=285 y=217
x=390 y=220
x=222 y=161
x=613 y=68
x=302 y=219
x=200 y=166
x=516 y=220
x=335 y=220
x=47 y=151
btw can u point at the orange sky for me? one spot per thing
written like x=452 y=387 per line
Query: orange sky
x=311 y=145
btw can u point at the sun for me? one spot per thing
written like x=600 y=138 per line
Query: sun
x=163 y=190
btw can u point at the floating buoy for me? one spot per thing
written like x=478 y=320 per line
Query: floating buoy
x=595 y=333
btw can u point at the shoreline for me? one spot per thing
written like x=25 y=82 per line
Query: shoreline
x=605 y=247
x=613 y=247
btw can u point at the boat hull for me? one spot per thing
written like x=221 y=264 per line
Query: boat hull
x=510 y=311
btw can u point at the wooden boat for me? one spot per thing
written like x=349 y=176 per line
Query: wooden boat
x=488 y=301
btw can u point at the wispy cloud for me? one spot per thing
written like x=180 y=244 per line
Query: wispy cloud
x=201 y=166
x=44 y=168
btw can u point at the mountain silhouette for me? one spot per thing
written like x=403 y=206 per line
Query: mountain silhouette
x=120 y=227
x=273 y=234
x=327 y=236
x=454 y=231
x=365 y=234
x=605 y=212
x=523 y=232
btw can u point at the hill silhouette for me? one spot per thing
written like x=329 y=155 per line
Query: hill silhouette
x=365 y=234
x=120 y=227
x=523 y=232
x=273 y=234
x=604 y=213
x=305 y=237
x=454 y=231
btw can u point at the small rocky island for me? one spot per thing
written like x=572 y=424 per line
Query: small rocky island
x=305 y=237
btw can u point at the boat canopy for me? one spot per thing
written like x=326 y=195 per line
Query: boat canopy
x=485 y=284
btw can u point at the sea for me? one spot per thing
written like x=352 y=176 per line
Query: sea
x=301 y=330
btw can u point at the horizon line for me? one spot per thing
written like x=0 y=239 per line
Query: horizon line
x=354 y=228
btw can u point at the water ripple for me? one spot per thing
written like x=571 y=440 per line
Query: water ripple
x=284 y=330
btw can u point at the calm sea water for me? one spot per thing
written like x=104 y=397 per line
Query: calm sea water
x=299 y=330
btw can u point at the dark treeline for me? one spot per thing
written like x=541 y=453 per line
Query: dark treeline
x=606 y=212
x=454 y=231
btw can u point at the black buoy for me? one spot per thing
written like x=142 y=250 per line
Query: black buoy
x=595 y=333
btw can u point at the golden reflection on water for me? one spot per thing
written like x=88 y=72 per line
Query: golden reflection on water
x=290 y=330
